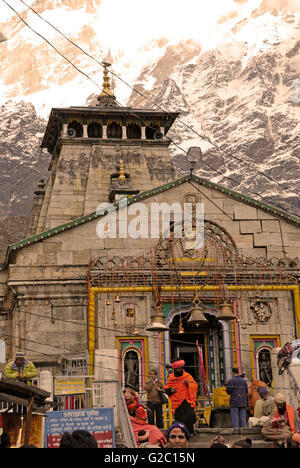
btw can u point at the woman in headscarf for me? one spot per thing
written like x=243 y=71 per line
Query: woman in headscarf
x=253 y=394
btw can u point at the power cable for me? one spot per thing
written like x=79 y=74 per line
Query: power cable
x=119 y=330
x=203 y=137
x=100 y=366
x=114 y=74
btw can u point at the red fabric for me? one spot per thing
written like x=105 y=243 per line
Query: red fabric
x=202 y=370
x=177 y=364
x=182 y=391
x=141 y=414
x=155 y=435
x=289 y=416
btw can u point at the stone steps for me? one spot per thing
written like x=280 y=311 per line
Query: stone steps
x=203 y=436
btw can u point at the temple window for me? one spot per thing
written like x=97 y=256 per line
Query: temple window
x=114 y=130
x=151 y=130
x=77 y=127
x=94 y=130
x=134 y=131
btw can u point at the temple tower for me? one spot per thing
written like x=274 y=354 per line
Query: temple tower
x=87 y=145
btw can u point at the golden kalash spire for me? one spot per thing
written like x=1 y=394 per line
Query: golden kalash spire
x=122 y=176
x=107 y=97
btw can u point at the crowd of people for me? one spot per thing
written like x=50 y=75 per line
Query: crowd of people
x=251 y=405
x=279 y=422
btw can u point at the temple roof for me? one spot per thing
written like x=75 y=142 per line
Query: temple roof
x=148 y=194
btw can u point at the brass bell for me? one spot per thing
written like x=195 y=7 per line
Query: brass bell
x=117 y=299
x=158 y=322
x=197 y=317
x=226 y=312
x=107 y=302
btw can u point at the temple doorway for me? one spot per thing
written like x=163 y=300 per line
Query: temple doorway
x=183 y=344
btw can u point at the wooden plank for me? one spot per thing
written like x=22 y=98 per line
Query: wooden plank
x=28 y=421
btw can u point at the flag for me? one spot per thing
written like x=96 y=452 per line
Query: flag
x=202 y=371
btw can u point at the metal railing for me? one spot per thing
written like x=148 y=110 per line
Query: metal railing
x=107 y=394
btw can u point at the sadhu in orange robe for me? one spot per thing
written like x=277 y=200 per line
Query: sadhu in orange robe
x=184 y=399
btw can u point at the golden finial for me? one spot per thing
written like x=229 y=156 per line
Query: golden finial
x=122 y=176
x=107 y=94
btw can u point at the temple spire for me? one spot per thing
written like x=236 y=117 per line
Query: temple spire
x=107 y=97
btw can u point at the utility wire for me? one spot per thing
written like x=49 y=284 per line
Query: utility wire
x=202 y=136
x=114 y=74
x=115 y=370
x=121 y=331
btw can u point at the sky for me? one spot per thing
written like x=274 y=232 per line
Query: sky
x=132 y=23
x=173 y=19
x=132 y=30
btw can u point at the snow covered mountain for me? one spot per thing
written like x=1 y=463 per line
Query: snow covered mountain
x=237 y=87
x=243 y=98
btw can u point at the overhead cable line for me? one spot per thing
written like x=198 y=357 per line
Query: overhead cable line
x=128 y=109
x=203 y=137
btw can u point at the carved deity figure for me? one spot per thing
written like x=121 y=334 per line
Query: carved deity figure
x=265 y=368
x=261 y=311
x=131 y=367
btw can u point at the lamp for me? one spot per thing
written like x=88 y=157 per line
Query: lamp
x=197 y=317
x=158 y=321
x=194 y=155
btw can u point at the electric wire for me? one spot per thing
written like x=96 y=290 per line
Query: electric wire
x=103 y=367
x=99 y=87
x=244 y=349
x=87 y=76
x=203 y=137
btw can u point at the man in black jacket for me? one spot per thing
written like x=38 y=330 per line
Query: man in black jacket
x=237 y=388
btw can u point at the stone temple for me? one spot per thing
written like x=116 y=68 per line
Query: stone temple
x=106 y=284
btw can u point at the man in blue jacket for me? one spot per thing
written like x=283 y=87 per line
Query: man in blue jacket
x=237 y=388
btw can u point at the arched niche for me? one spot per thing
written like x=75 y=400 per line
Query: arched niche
x=264 y=365
x=132 y=368
x=114 y=130
x=151 y=129
x=94 y=130
x=134 y=131
x=77 y=126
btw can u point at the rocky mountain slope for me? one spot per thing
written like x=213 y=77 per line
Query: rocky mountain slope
x=239 y=101
x=243 y=99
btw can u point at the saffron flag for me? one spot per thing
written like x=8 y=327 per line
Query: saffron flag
x=202 y=371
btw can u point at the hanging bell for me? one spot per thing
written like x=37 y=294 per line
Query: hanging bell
x=181 y=329
x=117 y=299
x=107 y=302
x=197 y=317
x=158 y=322
x=226 y=312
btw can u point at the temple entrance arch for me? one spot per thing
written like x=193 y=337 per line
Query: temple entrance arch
x=183 y=338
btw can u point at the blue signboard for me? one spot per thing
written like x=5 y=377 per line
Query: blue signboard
x=97 y=421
